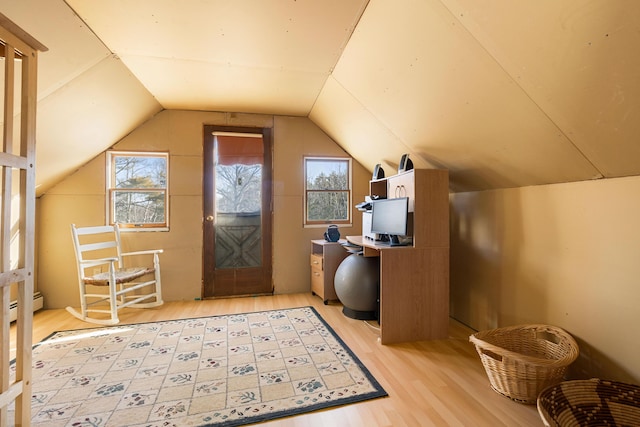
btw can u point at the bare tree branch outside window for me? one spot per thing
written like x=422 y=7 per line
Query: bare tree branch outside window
x=327 y=190
x=139 y=189
x=238 y=188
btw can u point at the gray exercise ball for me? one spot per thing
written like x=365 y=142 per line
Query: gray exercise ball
x=357 y=282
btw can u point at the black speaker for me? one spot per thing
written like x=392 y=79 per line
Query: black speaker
x=378 y=172
x=405 y=163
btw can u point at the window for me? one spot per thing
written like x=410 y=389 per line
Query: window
x=137 y=189
x=327 y=190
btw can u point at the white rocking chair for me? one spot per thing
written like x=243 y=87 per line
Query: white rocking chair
x=104 y=269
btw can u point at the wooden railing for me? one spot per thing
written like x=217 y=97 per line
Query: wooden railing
x=17 y=204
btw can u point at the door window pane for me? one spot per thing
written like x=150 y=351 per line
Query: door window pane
x=238 y=202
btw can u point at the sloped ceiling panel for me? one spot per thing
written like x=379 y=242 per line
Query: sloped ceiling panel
x=438 y=90
x=73 y=48
x=100 y=107
x=245 y=56
x=198 y=85
x=368 y=140
x=578 y=62
x=87 y=99
x=503 y=94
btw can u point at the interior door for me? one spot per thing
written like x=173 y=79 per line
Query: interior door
x=237 y=211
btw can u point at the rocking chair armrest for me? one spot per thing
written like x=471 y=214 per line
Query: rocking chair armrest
x=100 y=261
x=149 y=252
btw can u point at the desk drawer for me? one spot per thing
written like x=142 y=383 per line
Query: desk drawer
x=317 y=282
x=316 y=261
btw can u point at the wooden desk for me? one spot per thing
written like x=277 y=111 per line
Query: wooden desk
x=414 y=291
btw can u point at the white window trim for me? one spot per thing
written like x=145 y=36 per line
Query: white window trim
x=109 y=161
x=349 y=222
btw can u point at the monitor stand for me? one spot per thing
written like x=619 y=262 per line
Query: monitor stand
x=394 y=240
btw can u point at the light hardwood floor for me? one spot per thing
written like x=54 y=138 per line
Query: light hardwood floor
x=430 y=383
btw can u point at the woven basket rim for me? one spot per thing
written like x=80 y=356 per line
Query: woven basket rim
x=566 y=359
x=587 y=384
x=577 y=392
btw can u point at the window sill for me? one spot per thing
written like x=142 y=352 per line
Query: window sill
x=141 y=229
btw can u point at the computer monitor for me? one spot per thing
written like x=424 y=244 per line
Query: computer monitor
x=389 y=217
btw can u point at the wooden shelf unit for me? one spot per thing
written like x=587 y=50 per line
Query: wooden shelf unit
x=414 y=280
x=324 y=260
x=428 y=192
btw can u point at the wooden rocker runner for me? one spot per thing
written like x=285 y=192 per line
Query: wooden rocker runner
x=105 y=284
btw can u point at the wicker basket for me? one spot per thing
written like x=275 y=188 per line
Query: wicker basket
x=592 y=402
x=523 y=360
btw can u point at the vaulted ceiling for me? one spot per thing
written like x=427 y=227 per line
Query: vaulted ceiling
x=503 y=94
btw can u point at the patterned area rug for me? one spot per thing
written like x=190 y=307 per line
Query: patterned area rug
x=215 y=371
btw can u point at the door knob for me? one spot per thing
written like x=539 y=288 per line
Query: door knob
x=209 y=218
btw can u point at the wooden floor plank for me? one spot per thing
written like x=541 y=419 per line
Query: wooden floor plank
x=430 y=383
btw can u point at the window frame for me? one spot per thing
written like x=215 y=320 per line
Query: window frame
x=111 y=190
x=323 y=223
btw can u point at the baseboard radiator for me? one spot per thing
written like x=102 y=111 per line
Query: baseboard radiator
x=38 y=303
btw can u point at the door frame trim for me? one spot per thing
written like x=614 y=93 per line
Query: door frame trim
x=208 y=186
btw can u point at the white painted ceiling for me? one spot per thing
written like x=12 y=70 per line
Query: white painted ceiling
x=503 y=94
